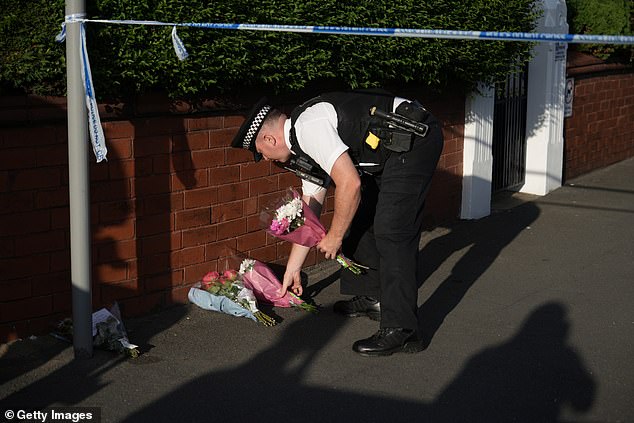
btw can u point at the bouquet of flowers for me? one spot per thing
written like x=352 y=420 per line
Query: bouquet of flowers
x=265 y=285
x=108 y=331
x=227 y=293
x=292 y=220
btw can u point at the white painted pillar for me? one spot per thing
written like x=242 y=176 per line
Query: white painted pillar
x=545 y=105
x=478 y=154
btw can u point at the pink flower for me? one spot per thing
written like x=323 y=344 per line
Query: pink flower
x=279 y=226
x=211 y=277
x=228 y=285
x=230 y=275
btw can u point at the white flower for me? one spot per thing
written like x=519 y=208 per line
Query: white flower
x=247 y=299
x=246 y=266
x=290 y=210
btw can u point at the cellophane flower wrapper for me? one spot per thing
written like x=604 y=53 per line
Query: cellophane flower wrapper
x=110 y=332
x=217 y=289
x=288 y=220
x=294 y=221
x=209 y=301
x=310 y=233
x=266 y=286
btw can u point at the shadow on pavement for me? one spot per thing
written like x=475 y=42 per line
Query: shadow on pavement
x=535 y=376
x=485 y=239
x=532 y=378
x=527 y=379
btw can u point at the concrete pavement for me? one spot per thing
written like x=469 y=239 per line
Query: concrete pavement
x=528 y=315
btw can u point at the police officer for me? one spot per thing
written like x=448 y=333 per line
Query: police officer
x=380 y=151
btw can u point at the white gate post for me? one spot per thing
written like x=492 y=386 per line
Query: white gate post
x=545 y=105
x=478 y=154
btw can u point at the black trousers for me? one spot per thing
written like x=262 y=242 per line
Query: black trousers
x=385 y=232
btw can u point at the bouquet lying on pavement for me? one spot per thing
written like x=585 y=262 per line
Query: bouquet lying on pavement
x=226 y=293
x=108 y=331
x=293 y=220
x=266 y=286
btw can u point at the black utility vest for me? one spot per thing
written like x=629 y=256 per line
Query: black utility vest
x=353 y=125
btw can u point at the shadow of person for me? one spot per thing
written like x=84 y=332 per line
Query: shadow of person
x=485 y=239
x=274 y=385
x=530 y=378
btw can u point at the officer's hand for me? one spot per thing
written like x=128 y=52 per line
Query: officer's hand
x=293 y=281
x=330 y=246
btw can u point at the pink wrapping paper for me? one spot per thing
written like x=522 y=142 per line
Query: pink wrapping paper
x=266 y=286
x=309 y=234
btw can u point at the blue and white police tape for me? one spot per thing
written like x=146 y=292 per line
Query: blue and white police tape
x=77 y=17
x=97 y=138
x=96 y=132
x=388 y=32
x=95 y=129
x=94 y=122
x=179 y=47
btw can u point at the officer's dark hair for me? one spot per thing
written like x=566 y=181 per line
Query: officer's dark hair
x=272 y=117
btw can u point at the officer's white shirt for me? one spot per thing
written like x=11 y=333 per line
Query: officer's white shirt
x=316 y=130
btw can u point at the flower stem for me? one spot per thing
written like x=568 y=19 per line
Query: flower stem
x=299 y=303
x=352 y=266
x=265 y=319
x=132 y=352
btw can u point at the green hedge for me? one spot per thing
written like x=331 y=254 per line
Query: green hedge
x=30 y=59
x=128 y=60
x=609 y=17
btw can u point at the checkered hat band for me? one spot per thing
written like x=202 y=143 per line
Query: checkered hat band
x=255 y=125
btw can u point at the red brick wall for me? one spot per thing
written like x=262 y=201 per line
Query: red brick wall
x=169 y=205
x=601 y=129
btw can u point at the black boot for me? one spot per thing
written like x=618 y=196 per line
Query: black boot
x=359 y=306
x=388 y=341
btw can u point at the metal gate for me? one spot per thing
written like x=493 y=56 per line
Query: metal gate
x=509 y=132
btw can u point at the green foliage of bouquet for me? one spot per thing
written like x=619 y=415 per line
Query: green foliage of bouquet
x=229 y=285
